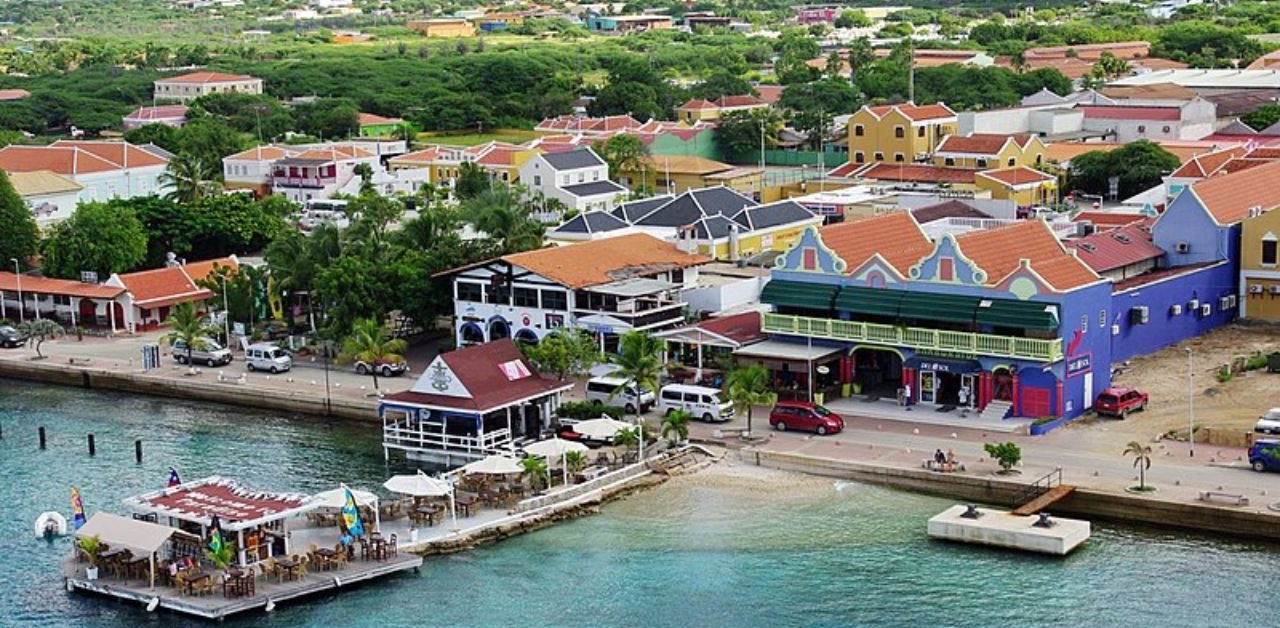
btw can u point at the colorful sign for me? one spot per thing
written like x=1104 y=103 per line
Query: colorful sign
x=1079 y=365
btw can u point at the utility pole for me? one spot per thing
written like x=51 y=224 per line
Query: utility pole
x=1191 y=405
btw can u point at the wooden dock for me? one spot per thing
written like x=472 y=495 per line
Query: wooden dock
x=215 y=606
x=1044 y=500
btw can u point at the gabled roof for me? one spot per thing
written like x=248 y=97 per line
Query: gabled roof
x=688 y=207
x=894 y=236
x=635 y=210
x=163 y=112
x=1205 y=164
x=686 y=164
x=770 y=93
x=1117 y=248
x=480 y=371
x=979 y=143
x=744 y=100
x=697 y=104
x=44 y=285
x=915 y=172
x=594 y=188
x=329 y=153
x=261 y=153
x=573 y=159
x=162 y=286
x=773 y=215
x=42 y=182
x=1018 y=175
x=1107 y=219
x=63 y=160
x=916 y=113
x=714 y=227
x=1228 y=197
x=591 y=222
x=844 y=170
x=369 y=119
x=1154 y=91
x=207 y=77
x=1000 y=251
x=124 y=154
x=738 y=329
x=604 y=261
x=1121 y=112
x=946 y=209
x=200 y=271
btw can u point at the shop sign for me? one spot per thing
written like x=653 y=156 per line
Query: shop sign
x=1079 y=365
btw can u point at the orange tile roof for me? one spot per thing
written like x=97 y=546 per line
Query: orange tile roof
x=770 y=93
x=200 y=271
x=894 y=236
x=369 y=119
x=1207 y=163
x=261 y=153
x=604 y=261
x=63 y=160
x=915 y=172
x=1121 y=49
x=1267 y=61
x=44 y=285
x=915 y=113
x=697 y=104
x=745 y=100
x=162 y=286
x=499 y=157
x=207 y=77
x=979 y=143
x=1000 y=251
x=123 y=153
x=1228 y=197
x=1019 y=175
x=424 y=156
x=13 y=94
x=334 y=153
x=686 y=164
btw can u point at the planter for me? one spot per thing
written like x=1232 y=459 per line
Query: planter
x=90 y=573
x=413 y=535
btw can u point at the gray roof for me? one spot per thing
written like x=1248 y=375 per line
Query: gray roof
x=772 y=215
x=595 y=188
x=573 y=159
x=635 y=210
x=712 y=227
x=694 y=204
x=591 y=222
x=158 y=152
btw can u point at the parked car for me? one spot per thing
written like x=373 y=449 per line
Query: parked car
x=1269 y=422
x=700 y=402
x=10 y=337
x=601 y=391
x=1264 y=455
x=804 y=415
x=208 y=352
x=267 y=357
x=1120 y=402
x=383 y=368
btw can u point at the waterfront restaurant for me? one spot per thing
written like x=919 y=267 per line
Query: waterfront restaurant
x=254 y=522
x=470 y=403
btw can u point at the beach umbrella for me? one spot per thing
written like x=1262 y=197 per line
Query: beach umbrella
x=600 y=429
x=494 y=465
x=337 y=498
x=423 y=485
x=553 y=448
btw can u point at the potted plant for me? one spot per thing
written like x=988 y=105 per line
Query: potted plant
x=222 y=557
x=91 y=547
x=576 y=461
x=675 y=427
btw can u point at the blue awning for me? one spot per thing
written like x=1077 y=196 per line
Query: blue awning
x=943 y=365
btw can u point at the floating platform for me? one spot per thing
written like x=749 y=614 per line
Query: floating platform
x=1004 y=529
x=215 y=606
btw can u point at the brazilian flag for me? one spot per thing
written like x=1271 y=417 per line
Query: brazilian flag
x=215 y=535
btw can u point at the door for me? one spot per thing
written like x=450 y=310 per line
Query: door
x=1088 y=391
x=928 y=386
x=968 y=388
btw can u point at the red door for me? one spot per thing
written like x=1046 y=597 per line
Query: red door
x=88 y=312
x=1035 y=402
x=119 y=314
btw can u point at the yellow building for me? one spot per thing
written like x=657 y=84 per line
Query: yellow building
x=898 y=133
x=1260 y=266
x=1027 y=187
x=711 y=110
x=981 y=151
x=442 y=27
x=675 y=174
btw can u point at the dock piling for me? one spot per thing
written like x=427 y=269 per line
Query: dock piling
x=93 y=447
x=137 y=450
x=43 y=439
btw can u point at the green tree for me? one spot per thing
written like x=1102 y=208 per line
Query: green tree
x=565 y=353
x=1141 y=460
x=19 y=238
x=191 y=178
x=625 y=153
x=208 y=140
x=721 y=83
x=852 y=19
x=639 y=362
x=675 y=427
x=748 y=387
x=472 y=180
x=187 y=326
x=1262 y=117
x=860 y=55
x=536 y=470
x=576 y=461
x=371 y=343
x=328 y=118
x=1109 y=67
x=1007 y=455
x=98 y=237
x=500 y=214
x=812 y=106
x=38 y=331
x=739 y=133
x=161 y=135
x=1138 y=166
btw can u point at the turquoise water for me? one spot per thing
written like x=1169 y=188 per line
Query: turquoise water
x=732 y=547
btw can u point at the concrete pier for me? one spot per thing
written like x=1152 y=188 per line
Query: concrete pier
x=1002 y=529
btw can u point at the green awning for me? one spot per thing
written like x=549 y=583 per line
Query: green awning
x=802 y=294
x=870 y=301
x=947 y=308
x=1018 y=314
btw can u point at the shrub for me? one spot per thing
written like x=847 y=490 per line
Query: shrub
x=1044 y=419
x=1255 y=362
x=1225 y=374
x=1007 y=455
x=582 y=410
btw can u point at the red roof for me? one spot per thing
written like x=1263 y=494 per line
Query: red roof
x=123 y=154
x=916 y=173
x=916 y=113
x=163 y=112
x=1002 y=250
x=1107 y=219
x=1117 y=248
x=1207 y=163
x=770 y=93
x=844 y=170
x=697 y=104
x=1114 y=112
x=894 y=236
x=230 y=502
x=61 y=287
x=63 y=160
x=1229 y=197
x=979 y=143
x=162 y=286
x=1020 y=175
x=207 y=77
x=1121 y=49
x=740 y=328
x=369 y=119
x=745 y=100
x=478 y=369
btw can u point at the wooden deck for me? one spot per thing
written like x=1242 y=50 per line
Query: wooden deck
x=1044 y=500
x=215 y=606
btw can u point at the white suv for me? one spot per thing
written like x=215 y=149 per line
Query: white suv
x=1269 y=422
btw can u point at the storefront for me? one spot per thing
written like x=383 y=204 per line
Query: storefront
x=945 y=381
x=797 y=371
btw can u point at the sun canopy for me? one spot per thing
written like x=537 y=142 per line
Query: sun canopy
x=553 y=448
x=494 y=465
x=238 y=507
x=600 y=429
x=418 y=485
x=117 y=531
x=337 y=498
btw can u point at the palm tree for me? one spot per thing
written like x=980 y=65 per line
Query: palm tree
x=191 y=179
x=373 y=345
x=1141 y=459
x=500 y=213
x=626 y=153
x=575 y=460
x=639 y=361
x=675 y=427
x=536 y=470
x=748 y=386
x=189 y=328
x=38 y=331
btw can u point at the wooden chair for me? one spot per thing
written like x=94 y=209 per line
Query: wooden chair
x=339 y=560
x=365 y=550
x=393 y=546
x=205 y=585
x=302 y=565
x=180 y=582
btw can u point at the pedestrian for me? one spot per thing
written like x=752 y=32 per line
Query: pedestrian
x=951 y=460
x=939 y=457
x=964 y=401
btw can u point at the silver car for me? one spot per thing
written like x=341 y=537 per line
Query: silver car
x=208 y=352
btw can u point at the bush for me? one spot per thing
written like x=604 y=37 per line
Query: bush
x=583 y=410
x=1044 y=419
x=1007 y=455
x=1255 y=362
x=1225 y=374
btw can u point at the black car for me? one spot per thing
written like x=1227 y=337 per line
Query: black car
x=11 y=337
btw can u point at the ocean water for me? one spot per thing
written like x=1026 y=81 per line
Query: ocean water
x=733 y=546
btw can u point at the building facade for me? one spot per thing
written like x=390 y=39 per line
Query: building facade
x=898 y=133
x=188 y=87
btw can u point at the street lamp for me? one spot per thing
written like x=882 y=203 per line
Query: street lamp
x=1191 y=406
x=226 y=312
x=17 y=271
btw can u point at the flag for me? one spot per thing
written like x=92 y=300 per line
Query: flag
x=215 y=535
x=173 y=477
x=351 y=515
x=77 y=508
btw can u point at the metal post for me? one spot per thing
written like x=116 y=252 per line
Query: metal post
x=328 y=404
x=137 y=450
x=226 y=311
x=17 y=271
x=1191 y=405
x=809 y=359
x=93 y=449
x=43 y=440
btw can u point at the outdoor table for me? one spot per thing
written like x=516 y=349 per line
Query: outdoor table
x=465 y=501
x=289 y=566
x=138 y=566
x=192 y=578
x=326 y=555
x=428 y=513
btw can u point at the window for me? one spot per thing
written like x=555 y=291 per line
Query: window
x=691 y=398
x=949 y=161
x=1165 y=129
x=858 y=130
x=946 y=269
x=810 y=261
x=1102 y=318
x=1084 y=323
x=982 y=163
x=554 y=300
x=1012 y=162
x=899 y=131
x=497 y=293
x=1269 y=250
x=1142 y=128
x=671 y=395
x=677 y=276
x=537 y=179
x=919 y=131
x=899 y=157
x=879 y=156
x=595 y=176
x=582 y=177
x=566 y=179
x=526 y=297
x=468 y=291
x=859 y=157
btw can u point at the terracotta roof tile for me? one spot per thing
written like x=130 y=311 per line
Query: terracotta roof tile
x=894 y=236
x=162 y=286
x=1207 y=163
x=1019 y=175
x=1000 y=251
x=915 y=172
x=979 y=143
x=1118 y=247
x=369 y=119
x=200 y=271
x=261 y=153
x=162 y=112
x=63 y=160
x=479 y=369
x=916 y=113
x=741 y=328
x=744 y=100
x=122 y=153
x=44 y=285
x=697 y=104
x=207 y=77
x=1121 y=49
x=1228 y=197
x=604 y=261
x=770 y=93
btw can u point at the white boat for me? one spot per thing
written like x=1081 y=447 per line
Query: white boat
x=50 y=524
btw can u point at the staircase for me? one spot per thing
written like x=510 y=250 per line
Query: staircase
x=1044 y=500
x=996 y=410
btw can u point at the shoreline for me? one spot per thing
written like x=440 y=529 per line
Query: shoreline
x=1086 y=502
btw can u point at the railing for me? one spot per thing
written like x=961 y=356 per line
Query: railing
x=919 y=338
x=1039 y=487
x=400 y=435
x=577 y=490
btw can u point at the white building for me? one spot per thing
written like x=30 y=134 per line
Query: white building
x=187 y=87
x=605 y=287
x=105 y=170
x=319 y=173
x=251 y=169
x=51 y=197
x=578 y=178
x=1191 y=120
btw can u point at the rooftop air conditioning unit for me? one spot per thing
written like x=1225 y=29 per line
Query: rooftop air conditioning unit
x=1140 y=315
x=1275 y=290
x=1231 y=301
x=1206 y=309
x=1176 y=310
x=1115 y=330
x=1182 y=247
x=1255 y=288
x=1193 y=305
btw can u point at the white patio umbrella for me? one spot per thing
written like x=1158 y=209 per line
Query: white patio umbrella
x=423 y=485
x=603 y=428
x=494 y=465
x=555 y=447
x=337 y=498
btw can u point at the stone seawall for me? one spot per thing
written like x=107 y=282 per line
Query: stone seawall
x=205 y=387
x=1252 y=522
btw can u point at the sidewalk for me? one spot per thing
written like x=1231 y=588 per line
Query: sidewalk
x=889 y=410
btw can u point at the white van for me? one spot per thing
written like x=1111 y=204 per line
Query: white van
x=267 y=357
x=600 y=391
x=700 y=402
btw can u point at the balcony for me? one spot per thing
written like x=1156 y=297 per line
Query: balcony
x=918 y=338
